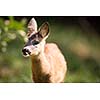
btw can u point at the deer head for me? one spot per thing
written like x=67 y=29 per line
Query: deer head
x=36 y=38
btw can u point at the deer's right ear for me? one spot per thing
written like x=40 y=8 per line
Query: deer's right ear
x=44 y=30
x=32 y=27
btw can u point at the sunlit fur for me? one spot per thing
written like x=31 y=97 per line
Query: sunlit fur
x=48 y=64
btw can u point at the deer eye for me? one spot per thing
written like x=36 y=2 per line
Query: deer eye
x=35 y=42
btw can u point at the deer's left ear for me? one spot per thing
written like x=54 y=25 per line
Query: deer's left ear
x=44 y=30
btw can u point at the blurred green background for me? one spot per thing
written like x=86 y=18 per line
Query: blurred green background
x=77 y=37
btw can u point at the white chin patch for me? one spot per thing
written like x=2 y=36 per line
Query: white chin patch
x=26 y=55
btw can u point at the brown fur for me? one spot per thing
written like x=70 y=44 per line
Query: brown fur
x=49 y=66
x=48 y=63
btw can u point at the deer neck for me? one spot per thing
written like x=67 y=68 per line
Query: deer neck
x=40 y=63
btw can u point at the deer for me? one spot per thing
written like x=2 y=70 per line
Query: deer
x=48 y=62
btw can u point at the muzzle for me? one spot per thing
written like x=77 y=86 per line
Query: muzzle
x=26 y=52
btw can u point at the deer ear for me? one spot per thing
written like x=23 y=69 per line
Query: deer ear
x=44 y=30
x=32 y=26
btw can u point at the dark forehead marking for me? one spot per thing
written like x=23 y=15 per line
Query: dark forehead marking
x=32 y=37
x=37 y=35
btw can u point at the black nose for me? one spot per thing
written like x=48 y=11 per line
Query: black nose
x=25 y=51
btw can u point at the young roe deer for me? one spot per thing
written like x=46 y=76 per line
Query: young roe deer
x=48 y=63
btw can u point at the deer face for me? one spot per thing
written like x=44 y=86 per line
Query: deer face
x=36 y=39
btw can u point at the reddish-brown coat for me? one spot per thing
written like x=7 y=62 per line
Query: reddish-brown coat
x=50 y=66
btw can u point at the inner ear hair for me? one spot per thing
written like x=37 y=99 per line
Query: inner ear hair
x=32 y=26
x=44 y=29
